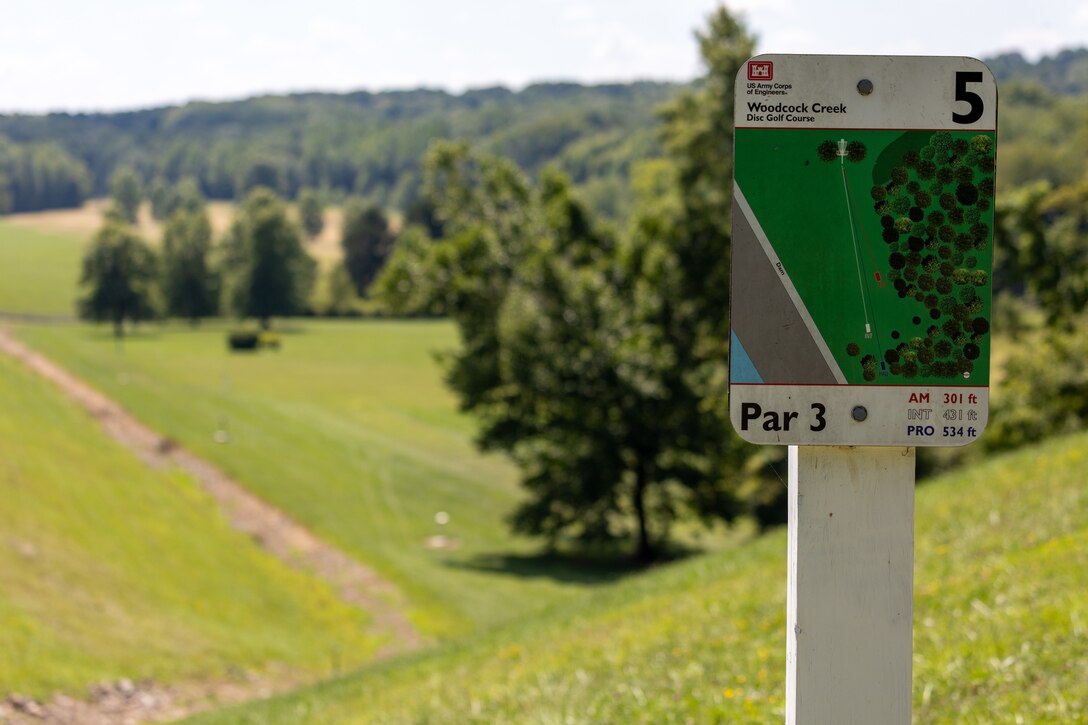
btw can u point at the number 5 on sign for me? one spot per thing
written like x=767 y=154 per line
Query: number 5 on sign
x=973 y=99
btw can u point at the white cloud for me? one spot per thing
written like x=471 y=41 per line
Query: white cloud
x=199 y=48
x=578 y=13
x=790 y=40
x=190 y=9
x=781 y=7
x=322 y=29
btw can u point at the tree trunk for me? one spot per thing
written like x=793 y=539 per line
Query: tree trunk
x=645 y=551
x=119 y=334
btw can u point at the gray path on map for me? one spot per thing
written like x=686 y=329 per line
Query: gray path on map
x=768 y=316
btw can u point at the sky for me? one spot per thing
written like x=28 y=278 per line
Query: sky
x=72 y=55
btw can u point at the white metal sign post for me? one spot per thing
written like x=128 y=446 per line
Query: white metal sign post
x=850 y=585
x=860 y=317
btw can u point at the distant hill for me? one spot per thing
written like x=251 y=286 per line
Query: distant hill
x=361 y=143
x=370 y=144
x=1065 y=73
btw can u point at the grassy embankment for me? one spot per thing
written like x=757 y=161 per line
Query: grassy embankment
x=1001 y=616
x=411 y=439
x=350 y=430
x=111 y=570
x=38 y=271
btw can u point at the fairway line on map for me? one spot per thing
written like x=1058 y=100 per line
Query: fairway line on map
x=854 y=239
x=865 y=239
x=876 y=273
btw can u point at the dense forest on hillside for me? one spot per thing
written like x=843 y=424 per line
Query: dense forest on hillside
x=363 y=144
x=1064 y=72
x=370 y=144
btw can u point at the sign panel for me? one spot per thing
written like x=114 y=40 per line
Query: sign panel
x=862 y=248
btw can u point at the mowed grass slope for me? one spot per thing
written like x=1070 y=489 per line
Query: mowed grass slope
x=1001 y=617
x=349 y=429
x=39 y=271
x=109 y=570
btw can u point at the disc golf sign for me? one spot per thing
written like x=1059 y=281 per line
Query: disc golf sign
x=862 y=249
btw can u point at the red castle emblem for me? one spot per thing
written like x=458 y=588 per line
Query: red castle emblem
x=760 y=70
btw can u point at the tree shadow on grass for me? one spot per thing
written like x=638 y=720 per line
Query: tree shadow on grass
x=103 y=332
x=588 y=568
x=292 y=326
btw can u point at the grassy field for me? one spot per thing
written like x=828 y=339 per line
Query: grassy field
x=83 y=222
x=39 y=270
x=109 y=570
x=1001 y=615
x=40 y=252
x=349 y=428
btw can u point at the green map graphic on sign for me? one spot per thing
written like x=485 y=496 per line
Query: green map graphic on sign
x=892 y=231
x=862 y=249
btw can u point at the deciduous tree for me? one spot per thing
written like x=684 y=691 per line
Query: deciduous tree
x=7 y=201
x=41 y=176
x=1041 y=248
x=599 y=364
x=266 y=270
x=119 y=278
x=341 y=298
x=126 y=193
x=167 y=199
x=366 y=240
x=311 y=212
x=190 y=285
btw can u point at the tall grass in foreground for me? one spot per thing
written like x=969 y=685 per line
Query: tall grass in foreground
x=1001 y=616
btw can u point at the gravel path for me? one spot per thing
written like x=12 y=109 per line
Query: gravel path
x=270 y=528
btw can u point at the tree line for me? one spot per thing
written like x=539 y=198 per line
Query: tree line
x=260 y=269
x=1065 y=72
x=359 y=144
x=40 y=175
x=370 y=145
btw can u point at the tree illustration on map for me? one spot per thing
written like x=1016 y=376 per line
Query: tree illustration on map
x=933 y=210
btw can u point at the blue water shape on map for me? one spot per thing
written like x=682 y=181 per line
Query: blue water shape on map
x=741 y=367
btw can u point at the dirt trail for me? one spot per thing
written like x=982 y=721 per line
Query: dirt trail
x=129 y=703
x=269 y=527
